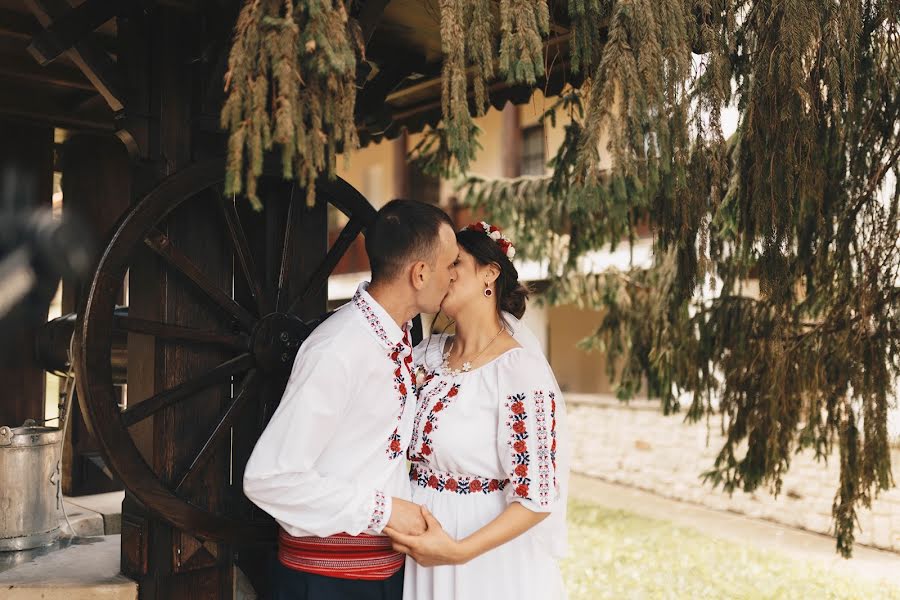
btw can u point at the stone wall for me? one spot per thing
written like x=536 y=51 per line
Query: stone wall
x=636 y=445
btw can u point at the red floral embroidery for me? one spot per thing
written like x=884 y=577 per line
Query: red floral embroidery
x=518 y=434
x=546 y=475
x=378 y=512
x=400 y=354
x=457 y=484
x=426 y=394
x=431 y=420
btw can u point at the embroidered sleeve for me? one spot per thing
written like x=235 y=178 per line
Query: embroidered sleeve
x=527 y=444
x=281 y=477
x=381 y=512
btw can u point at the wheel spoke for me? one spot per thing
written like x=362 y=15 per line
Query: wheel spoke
x=320 y=277
x=177 y=333
x=245 y=258
x=162 y=245
x=219 y=374
x=287 y=249
x=221 y=428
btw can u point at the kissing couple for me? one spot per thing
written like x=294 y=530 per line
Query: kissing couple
x=430 y=473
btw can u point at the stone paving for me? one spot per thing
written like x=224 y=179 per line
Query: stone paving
x=636 y=445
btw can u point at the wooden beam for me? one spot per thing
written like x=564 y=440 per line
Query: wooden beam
x=15 y=25
x=54 y=75
x=37 y=108
x=69 y=28
x=90 y=59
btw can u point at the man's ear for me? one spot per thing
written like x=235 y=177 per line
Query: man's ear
x=419 y=274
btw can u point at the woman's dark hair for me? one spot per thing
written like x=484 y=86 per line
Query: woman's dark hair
x=511 y=295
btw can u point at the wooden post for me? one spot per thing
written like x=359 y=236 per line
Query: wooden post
x=96 y=186
x=26 y=182
x=168 y=563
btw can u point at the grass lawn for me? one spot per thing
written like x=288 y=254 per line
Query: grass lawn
x=615 y=554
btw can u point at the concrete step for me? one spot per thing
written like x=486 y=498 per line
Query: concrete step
x=81 y=568
x=98 y=514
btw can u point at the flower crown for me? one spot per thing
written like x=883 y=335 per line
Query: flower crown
x=495 y=234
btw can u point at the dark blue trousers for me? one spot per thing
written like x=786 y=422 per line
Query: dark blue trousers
x=297 y=585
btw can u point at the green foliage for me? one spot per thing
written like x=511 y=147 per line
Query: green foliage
x=798 y=201
x=291 y=83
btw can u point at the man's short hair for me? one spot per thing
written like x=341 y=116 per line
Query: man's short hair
x=403 y=231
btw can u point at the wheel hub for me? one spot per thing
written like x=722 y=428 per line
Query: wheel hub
x=276 y=339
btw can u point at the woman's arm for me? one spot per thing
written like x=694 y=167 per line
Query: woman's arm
x=436 y=547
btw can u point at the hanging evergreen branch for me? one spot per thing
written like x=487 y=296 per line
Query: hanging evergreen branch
x=587 y=41
x=522 y=24
x=800 y=196
x=291 y=83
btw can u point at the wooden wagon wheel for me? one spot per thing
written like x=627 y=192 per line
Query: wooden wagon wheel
x=263 y=339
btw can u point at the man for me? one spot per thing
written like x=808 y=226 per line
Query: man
x=331 y=465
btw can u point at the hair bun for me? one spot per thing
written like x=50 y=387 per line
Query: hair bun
x=514 y=301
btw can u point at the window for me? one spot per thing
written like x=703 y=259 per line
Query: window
x=534 y=158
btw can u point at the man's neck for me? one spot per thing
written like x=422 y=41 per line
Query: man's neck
x=393 y=302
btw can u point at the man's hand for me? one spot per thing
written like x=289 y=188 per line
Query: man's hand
x=406 y=518
x=435 y=547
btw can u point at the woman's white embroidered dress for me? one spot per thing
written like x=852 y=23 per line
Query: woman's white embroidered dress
x=482 y=440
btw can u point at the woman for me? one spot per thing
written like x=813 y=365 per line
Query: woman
x=488 y=448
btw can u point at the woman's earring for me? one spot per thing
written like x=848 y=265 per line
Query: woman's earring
x=488 y=292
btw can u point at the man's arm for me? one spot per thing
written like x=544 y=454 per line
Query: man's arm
x=280 y=478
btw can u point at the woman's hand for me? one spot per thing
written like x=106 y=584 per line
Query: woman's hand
x=432 y=548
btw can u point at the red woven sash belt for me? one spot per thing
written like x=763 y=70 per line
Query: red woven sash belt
x=343 y=556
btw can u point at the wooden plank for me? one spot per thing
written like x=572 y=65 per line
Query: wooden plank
x=37 y=107
x=52 y=75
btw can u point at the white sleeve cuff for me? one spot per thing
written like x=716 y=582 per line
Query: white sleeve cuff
x=381 y=512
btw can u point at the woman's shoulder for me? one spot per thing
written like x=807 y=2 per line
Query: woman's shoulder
x=525 y=367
